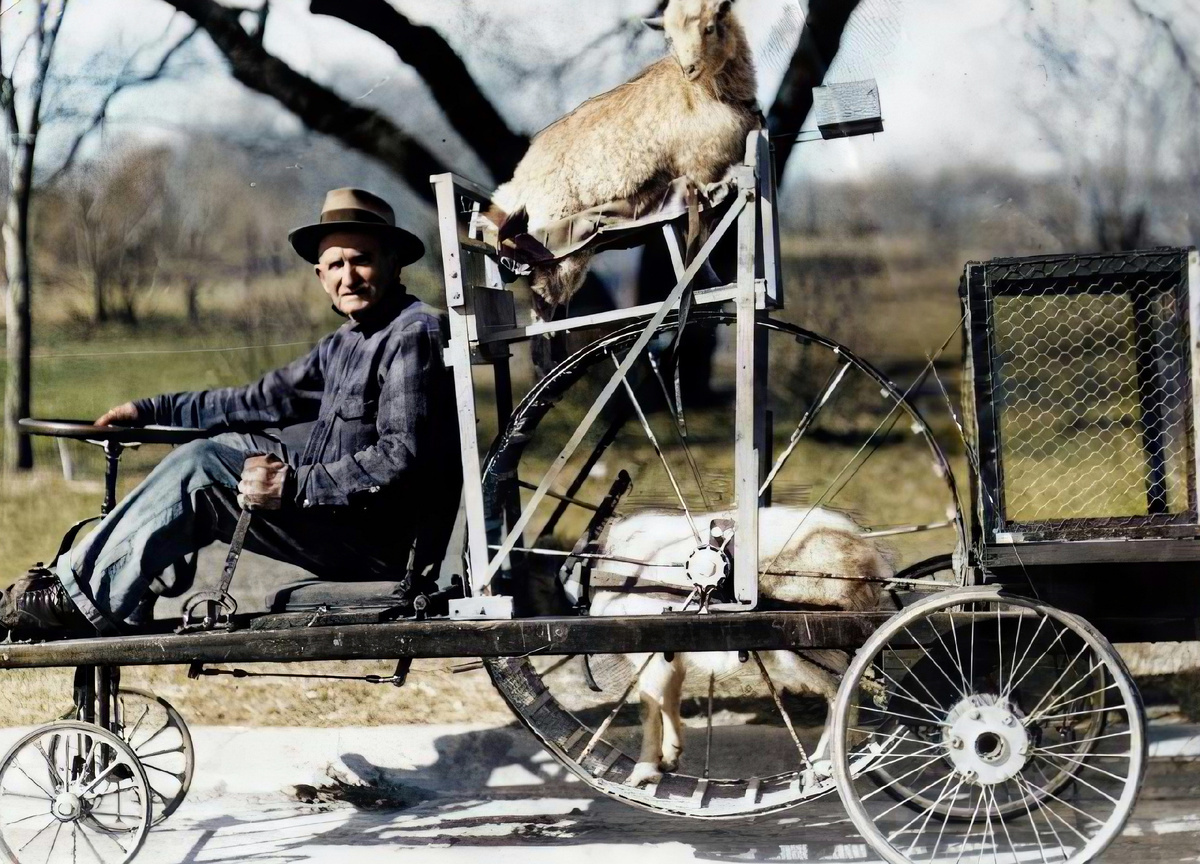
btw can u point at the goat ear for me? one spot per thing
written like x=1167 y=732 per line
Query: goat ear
x=658 y=23
x=723 y=8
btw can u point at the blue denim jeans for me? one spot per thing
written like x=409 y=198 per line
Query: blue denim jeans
x=190 y=500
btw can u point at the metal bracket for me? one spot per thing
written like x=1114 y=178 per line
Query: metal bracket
x=474 y=608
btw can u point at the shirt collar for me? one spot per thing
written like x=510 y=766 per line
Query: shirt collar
x=392 y=304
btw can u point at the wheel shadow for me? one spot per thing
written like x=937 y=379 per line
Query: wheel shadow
x=498 y=787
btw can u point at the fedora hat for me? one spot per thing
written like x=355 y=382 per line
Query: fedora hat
x=359 y=211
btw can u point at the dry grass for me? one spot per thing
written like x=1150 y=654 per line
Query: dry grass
x=432 y=695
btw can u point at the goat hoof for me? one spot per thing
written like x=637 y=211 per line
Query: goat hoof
x=643 y=773
x=669 y=765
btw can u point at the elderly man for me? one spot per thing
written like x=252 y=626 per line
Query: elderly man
x=372 y=493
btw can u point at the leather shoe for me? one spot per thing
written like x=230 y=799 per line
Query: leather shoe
x=37 y=604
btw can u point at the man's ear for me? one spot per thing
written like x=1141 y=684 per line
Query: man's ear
x=655 y=23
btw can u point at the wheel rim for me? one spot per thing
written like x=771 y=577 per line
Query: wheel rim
x=159 y=737
x=72 y=788
x=597 y=734
x=1012 y=753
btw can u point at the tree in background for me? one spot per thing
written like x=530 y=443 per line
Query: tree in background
x=23 y=123
x=1121 y=110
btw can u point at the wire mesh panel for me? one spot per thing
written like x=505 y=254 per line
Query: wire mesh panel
x=1082 y=371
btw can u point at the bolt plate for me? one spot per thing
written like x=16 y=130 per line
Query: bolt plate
x=993 y=743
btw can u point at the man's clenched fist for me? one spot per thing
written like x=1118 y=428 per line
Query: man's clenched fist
x=263 y=479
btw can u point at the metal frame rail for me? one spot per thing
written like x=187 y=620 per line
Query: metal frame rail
x=483 y=325
x=750 y=631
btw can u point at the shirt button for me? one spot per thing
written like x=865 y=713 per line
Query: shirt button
x=373 y=489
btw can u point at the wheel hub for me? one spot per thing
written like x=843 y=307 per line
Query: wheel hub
x=707 y=567
x=66 y=807
x=986 y=740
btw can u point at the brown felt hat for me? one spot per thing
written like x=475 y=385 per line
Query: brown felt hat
x=356 y=210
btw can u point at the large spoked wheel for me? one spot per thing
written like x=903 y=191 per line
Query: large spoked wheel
x=843 y=437
x=160 y=738
x=72 y=791
x=998 y=729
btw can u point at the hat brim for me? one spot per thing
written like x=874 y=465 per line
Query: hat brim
x=306 y=240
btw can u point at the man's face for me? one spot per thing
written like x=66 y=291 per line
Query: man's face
x=355 y=271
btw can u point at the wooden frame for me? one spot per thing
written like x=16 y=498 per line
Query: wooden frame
x=474 y=336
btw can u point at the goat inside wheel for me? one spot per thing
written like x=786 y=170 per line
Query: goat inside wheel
x=642 y=522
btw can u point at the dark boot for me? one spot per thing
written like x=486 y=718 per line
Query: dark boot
x=37 y=604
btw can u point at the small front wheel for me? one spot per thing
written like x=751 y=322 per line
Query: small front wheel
x=994 y=728
x=72 y=791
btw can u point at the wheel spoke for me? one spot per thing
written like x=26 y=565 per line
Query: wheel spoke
x=41 y=788
x=825 y=394
x=946 y=819
x=930 y=708
x=137 y=725
x=933 y=710
x=928 y=812
x=787 y=721
x=1038 y=751
x=1078 y=779
x=680 y=431
x=1012 y=675
x=1004 y=825
x=709 y=724
x=974 y=815
x=616 y=710
x=925 y=763
x=924 y=721
x=1089 y=741
x=1047 y=793
x=40 y=832
x=1060 y=677
x=1057 y=639
x=662 y=457
x=902 y=803
x=1061 y=702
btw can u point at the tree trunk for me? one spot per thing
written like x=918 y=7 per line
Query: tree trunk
x=18 y=454
x=99 y=306
x=191 y=288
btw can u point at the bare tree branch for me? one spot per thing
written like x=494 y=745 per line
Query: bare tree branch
x=468 y=111
x=1178 y=48
x=123 y=82
x=315 y=105
x=818 y=46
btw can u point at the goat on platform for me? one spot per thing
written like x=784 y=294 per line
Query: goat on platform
x=687 y=115
x=847 y=573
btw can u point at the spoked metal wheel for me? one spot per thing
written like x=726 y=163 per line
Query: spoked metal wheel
x=160 y=738
x=71 y=791
x=1000 y=730
x=843 y=437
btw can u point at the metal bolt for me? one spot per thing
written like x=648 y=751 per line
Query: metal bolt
x=975 y=715
x=956 y=743
x=1024 y=751
x=1009 y=721
x=969 y=776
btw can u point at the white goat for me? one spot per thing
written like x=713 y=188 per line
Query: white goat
x=827 y=543
x=687 y=115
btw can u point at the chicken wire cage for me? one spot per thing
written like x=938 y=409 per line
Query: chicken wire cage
x=1080 y=395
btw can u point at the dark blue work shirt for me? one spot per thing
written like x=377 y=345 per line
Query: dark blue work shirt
x=386 y=435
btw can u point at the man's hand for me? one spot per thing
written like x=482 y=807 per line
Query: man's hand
x=122 y=415
x=261 y=486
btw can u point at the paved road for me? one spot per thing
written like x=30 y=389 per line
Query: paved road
x=473 y=793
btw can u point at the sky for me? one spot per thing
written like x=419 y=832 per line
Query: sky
x=960 y=82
